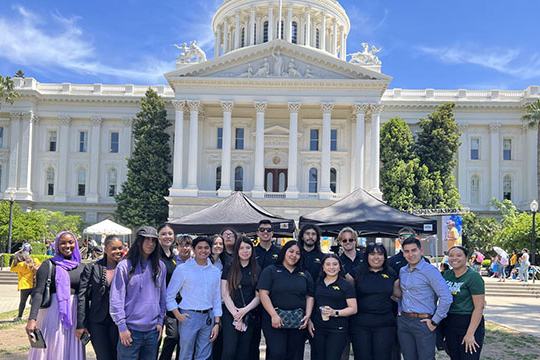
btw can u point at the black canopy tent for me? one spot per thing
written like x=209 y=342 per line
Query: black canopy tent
x=238 y=212
x=363 y=212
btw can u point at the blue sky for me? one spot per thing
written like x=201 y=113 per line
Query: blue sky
x=473 y=44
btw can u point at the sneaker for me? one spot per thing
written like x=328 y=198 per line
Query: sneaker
x=17 y=319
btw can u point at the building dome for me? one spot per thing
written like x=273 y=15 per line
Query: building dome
x=321 y=24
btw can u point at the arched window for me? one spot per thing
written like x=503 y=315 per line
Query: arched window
x=265 y=31
x=269 y=181
x=50 y=181
x=81 y=182
x=238 y=179
x=317 y=37
x=277 y=30
x=254 y=33
x=475 y=189
x=333 y=179
x=507 y=187
x=218 y=177
x=111 y=181
x=281 y=182
x=294 y=33
x=243 y=37
x=312 y=180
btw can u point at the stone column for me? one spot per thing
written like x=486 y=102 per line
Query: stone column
x=93 y=172
x=375 y=148
x=323 y=32
x=360 y=111
x=218 y=43
x=307 y=35
x=15 y=145
x=292 y=176
x=225 y=36
x=258 y=188
x=325 y=192
x=496 y=156
x=237 y=31
x=335 y=40
x=462 y=164
x=60 y=193
x=289 y=26
x=270 y=24
x=532 y=161
x=225 y=189
x=25 y=180
x=178 y=157
x=252 y=27
x=125 y=146
x=343 y=47
x=194 y=107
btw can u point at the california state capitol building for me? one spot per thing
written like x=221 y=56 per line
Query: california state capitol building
x=283 y=112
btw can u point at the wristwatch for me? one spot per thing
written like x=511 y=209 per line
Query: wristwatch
x=433 y=323
x=218 y=323
x=336 y=313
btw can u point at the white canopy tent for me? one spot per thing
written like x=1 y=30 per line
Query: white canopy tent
x=107 y=227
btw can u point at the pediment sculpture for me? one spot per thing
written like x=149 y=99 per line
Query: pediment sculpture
x=191 y=54
x=366 y=56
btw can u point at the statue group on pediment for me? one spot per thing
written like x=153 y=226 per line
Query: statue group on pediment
x=278 y=68
x=191 y=54
x=366 y=56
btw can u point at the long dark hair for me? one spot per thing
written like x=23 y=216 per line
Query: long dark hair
x=134 y=257
x=301 y=236
x=235 y=273
x=284 y=248
x=222 y=256
x=364 y=265
x=341 y=273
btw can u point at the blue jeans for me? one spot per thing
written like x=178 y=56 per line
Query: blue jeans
x=194 y=335
x=143 y=347
x=416 y=340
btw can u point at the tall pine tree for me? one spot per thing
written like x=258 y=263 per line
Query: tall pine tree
x=142 y=198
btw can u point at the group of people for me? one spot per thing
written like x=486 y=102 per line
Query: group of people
x=212 y=297
x=504 y=267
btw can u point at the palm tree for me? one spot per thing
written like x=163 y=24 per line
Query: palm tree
x=7 y=93
x=532 y=117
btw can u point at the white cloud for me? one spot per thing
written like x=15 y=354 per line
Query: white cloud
x=59 y=43
x=504 y=60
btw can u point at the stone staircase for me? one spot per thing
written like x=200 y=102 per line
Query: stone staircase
x=7 y=277
x=512 y=288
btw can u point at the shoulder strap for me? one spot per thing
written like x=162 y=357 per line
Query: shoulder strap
x=49 y=272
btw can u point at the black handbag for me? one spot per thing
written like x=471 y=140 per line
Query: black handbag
x=46 y=301
x=250 y=319
x=291 y=319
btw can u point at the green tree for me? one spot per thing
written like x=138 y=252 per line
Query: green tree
x=19 y=73
x=479 y=232
x=532 y=118
x=56 y=222
x=142 y=197
x=7 y=93
x=25 y=225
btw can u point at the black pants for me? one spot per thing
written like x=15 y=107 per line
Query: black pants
x=170 y=341
x=283 y=344
x=25 y=293
x=370 y=343
x=254 y=352
x=236 y=344
x=104 y=337
x=329 y=343
x=454 y=328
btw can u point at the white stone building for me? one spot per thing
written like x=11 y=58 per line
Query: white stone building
x=277 y=113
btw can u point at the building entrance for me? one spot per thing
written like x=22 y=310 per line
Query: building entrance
x=275 y=180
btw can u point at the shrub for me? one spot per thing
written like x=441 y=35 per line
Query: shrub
x=5 y=259
x=40 y=258
x=38 y=247
x=486 y=263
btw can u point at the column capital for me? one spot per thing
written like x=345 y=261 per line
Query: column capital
x=179 y=105
x=294 y=107
x=327 y=108
x=29 y=115
x=202 y=114
x=15 y=115
x=194 y=105
x=360 y=108
x=128 y=121
x=376 y=108
x=227 y=106
x=64 y=120
x=494 y=127
x=463 y=127
x=96 y=120
x=260 y=106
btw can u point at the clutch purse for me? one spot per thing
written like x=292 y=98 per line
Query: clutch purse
x=291 y=319
x=36 y=340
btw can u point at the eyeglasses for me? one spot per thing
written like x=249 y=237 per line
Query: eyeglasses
x=405 y=236
x=186 y=245
x=347 y=240
x=228 y=235
x=265 y=229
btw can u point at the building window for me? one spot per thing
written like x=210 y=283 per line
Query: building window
x=239 y=178
x=50 y=181
x=1 y=168
x=281 y=182
x=83 y=140
x=111 y=181
x=333 y=140
x=1 y=137
x=294 y=34
x=475 y=148
x=507 y=187
x=278 y=36
x=475 y=189
x=243 y=37
x=333 y=180
x=314 y=140
x=507 y=149
x=317 y=37
x=218 y=177
x=52 y=140
x=312 y=180
x=239 y=141
x=114 y=142
x=219 y=137
x=265 y=31
x=81 y=182
x=254 y=33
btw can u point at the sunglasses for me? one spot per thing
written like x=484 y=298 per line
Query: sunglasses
x=405 y=236
x=265 y=229
x=347 y=240
x=228 y=235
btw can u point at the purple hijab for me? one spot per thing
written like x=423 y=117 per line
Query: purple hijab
x=63 y=286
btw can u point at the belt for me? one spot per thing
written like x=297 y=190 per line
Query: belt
x=201 y=311
x=417 y=315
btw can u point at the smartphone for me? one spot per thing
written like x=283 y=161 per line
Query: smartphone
x=85 y=338
x=244 y=326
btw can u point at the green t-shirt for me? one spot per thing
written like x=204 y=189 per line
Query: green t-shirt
x=470 y=283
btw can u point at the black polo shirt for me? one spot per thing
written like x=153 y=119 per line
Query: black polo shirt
x=313 y=262
x=348 y=264
x=287 y=290
x=246 y=288
x=398 y=261
x=373 y=292
x=170 y=263
x=266 y=257
x=334 y=295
